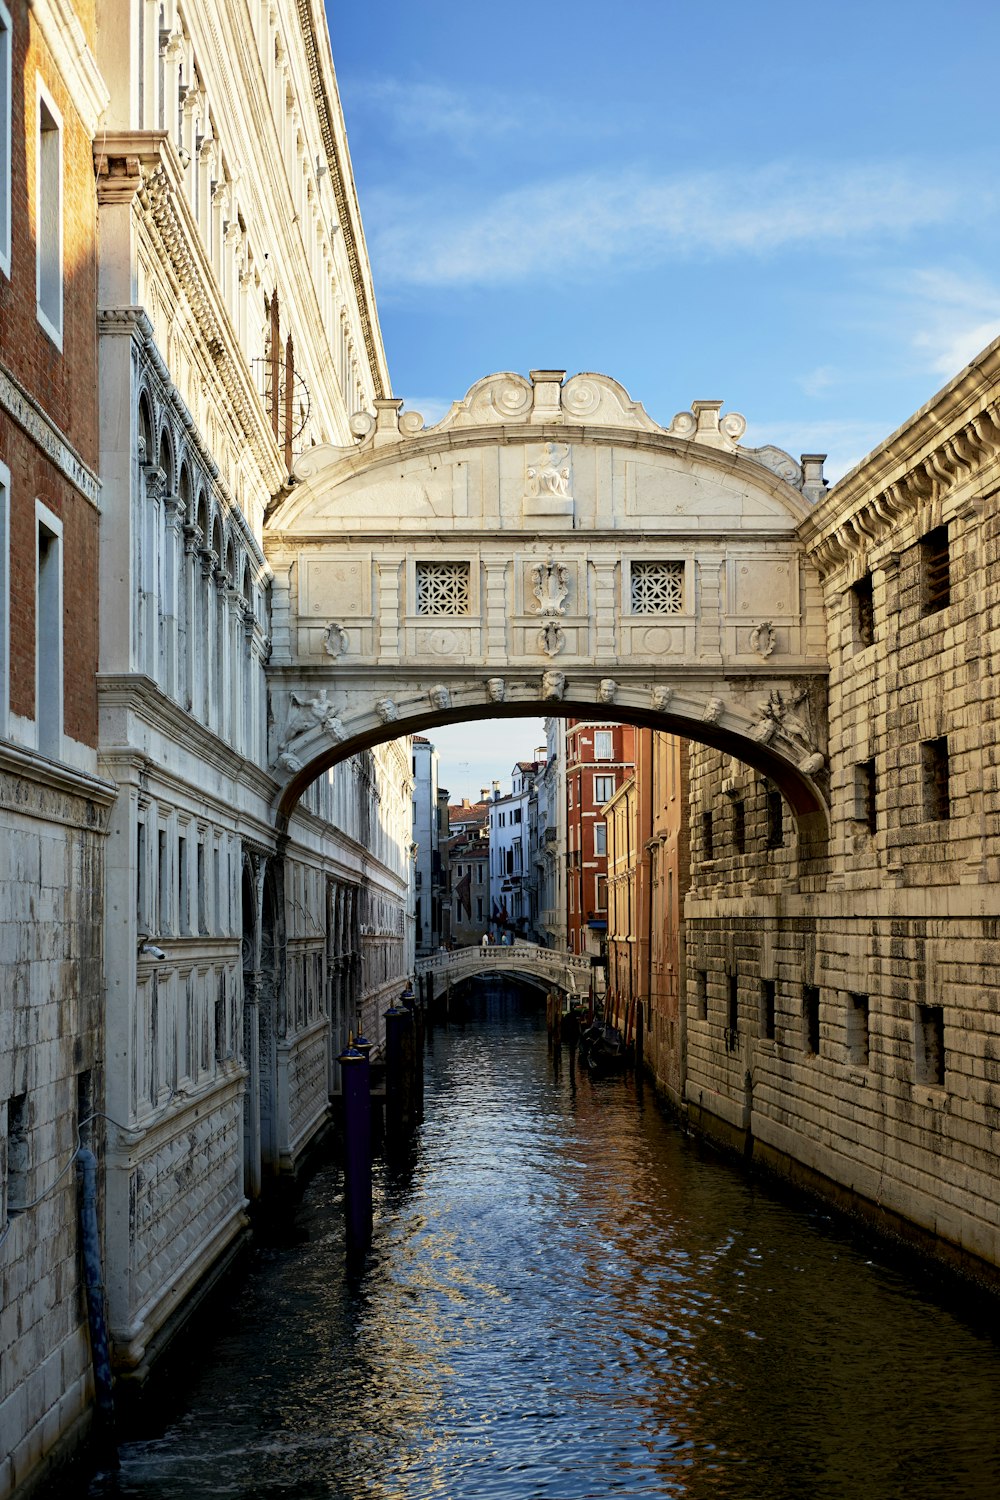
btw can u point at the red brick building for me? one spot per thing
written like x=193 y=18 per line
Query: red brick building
x=53 y=805
x=599 y=757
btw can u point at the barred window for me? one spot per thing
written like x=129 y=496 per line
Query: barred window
x=657 y=588
x=442 y=588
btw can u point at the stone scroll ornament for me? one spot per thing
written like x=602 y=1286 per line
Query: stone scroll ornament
x=307 y=718
x=763 y=639
x=551 y=638
x=550 y=586
x=335 y=640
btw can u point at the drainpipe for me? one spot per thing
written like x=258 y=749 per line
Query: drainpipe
x=93 y=1277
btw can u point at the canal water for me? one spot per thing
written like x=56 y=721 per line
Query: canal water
x=568 y=1298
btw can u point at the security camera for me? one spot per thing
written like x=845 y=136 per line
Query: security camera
x=150 y=950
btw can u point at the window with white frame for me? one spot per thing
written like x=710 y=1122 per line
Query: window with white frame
x=49 y=216
x=600 y=838
x=6 y=134
x=48 y=632
x=604 y=788
x=4 y=599
x=657 y=588
x=603 y=744
x=443 y=588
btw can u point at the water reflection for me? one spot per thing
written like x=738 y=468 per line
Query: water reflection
x=566 y=1299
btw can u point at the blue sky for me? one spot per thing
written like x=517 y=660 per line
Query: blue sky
x=792 y=208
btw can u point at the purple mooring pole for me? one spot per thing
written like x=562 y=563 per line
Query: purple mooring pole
x=354 y=1072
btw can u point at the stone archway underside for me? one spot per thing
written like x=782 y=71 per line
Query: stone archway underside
x=548 y=548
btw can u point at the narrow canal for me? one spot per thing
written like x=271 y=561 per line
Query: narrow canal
x=569 y=1298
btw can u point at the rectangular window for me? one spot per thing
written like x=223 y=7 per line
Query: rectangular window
x=17 y=1153
x=733 y=1012
x=934 y=763
x=603 y=744
x=810 y=1019
x=604 y=788
x=140 y=876
x=602 y=893
x=701 y=994
x=774 y=836
x=49 y=217
x=600 y=838
x=183 y=909
x=739 y=826
x=657 y=588
x=857 y=1029
x=4 y=595
x=48 y=633
x=935 y=570
x=6 y=135
x=707 y=836
x=865 y=807
x=163 y=888
x=767 y=1001
x=930 y=1045
x=443 y=588
x=479 y=908
x=863 y=611
x=202 y=892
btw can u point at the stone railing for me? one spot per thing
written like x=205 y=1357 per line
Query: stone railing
x=569 y=971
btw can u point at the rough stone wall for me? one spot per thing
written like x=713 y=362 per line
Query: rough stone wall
x=846 y=1022
x=50 y=1081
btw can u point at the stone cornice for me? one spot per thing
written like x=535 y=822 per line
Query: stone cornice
x=67 y=42
x=947 y=442
x=134 y=323
x=145 y=164
x=74 y=788
x=23 y=409
x=348 y=211
x=137 y=693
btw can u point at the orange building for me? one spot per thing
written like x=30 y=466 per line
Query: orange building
x=648 y=865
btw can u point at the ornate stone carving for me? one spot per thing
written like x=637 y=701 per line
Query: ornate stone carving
x=547 y=475
x=550 y=586
x=778 y=461
x=553 y=685
x=607 y=690
x=551 y=639
x=439 y=696
x=791 y=721
x=306 y=717
x=660 y=699
x=335 y=641
x=763 y=639
x=386 y=710
x=497 y=689
x=714 y=709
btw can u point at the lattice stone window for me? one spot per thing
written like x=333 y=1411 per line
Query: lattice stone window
x=442 y=588
x=657 y=588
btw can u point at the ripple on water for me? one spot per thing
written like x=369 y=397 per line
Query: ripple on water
x=565 y=1300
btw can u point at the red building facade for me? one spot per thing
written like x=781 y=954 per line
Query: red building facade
x=599 y=758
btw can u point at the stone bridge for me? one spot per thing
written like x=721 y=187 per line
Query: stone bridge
x=567 y=971
x=548 y=548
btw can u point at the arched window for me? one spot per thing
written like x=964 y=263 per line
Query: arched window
x=146 y=453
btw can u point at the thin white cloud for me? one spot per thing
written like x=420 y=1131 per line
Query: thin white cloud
x=954 y=317
x=418 y=110
x=845 y=443
x=578 y=225
x=820 y=380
